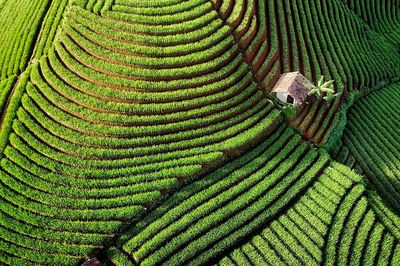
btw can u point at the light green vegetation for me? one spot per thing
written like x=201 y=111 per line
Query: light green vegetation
x=142 y=132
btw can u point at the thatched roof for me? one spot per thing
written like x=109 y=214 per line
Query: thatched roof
x=294 y=84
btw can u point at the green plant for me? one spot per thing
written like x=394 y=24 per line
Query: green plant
x=290 y=112
x=323 y=89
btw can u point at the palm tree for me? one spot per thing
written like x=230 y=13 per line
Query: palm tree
x=323 y=90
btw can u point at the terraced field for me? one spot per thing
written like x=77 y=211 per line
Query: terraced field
x=370 y=141
x=145 y=133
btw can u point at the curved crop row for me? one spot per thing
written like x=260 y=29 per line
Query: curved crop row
x=122 y=109
x=50 y=24
x=383 y=17
x=312 y=37
x=207 y=218
x=6 y=87
x=344 y=156
x=143 y=128
x=19 y=32
x=332 y=224
x=371 y=136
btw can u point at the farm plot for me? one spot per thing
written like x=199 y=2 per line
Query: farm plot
x=312 y=37
x=371 y=141
x=6 y=87
x=49 y=26
x=383 y=17
x=334 y=223
x=141 y=131
x=20 y=23
x=122 y=110
x=208 y=217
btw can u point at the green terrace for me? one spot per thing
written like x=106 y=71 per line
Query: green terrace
x=147 y=133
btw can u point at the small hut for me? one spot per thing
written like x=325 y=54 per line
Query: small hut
x=92 y=262
x=292 y=88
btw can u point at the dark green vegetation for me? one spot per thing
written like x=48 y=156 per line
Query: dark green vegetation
x=371 y=144
x=141 y=132
x=333 y=223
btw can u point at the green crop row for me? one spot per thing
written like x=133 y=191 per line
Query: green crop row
x=297 y=236
x=50 y=25
x=373 y=126
x=12 y=107
x=382 y=17
x=116 y=176
x=6 y=87
x=39 y=194
x=58 y=211
x=75 y=166
x=86 y=190
x=250 y=106
x=26 y=234
x=19 y=35
x=74 y=41
x=341 y=67
x=330 y=224
x=382 y=184
x=260 y=50
x=161 y=19
x=219 y=197
x=388 y=218
x=98 y=6
x=357 y=66
x=203 y=110
x=333 y=252
x=240 y=16
x=278 y=138
x=264 y=117
x=129 y=7
x=243 y=204
x=145 y=123
x=203 y=22
x=102 y=71
x=153 y=4
x=104 y=149
x=128 y=83
x=363 y=239
x=207 y=62
x=52 y=223
x=82 y=165
x=120 y=99
x=24 y=224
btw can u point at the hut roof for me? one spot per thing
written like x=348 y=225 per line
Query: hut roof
x=92 y=262
x=295 y=84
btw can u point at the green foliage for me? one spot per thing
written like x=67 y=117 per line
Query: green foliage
x=371 y=137
x=142 y=127
x=330 y=224
x=6 y=87
x=242 y=199
x=21 y=22
x=323 y=89
x=49 y=28
x=102 y=130
x=290 y=112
